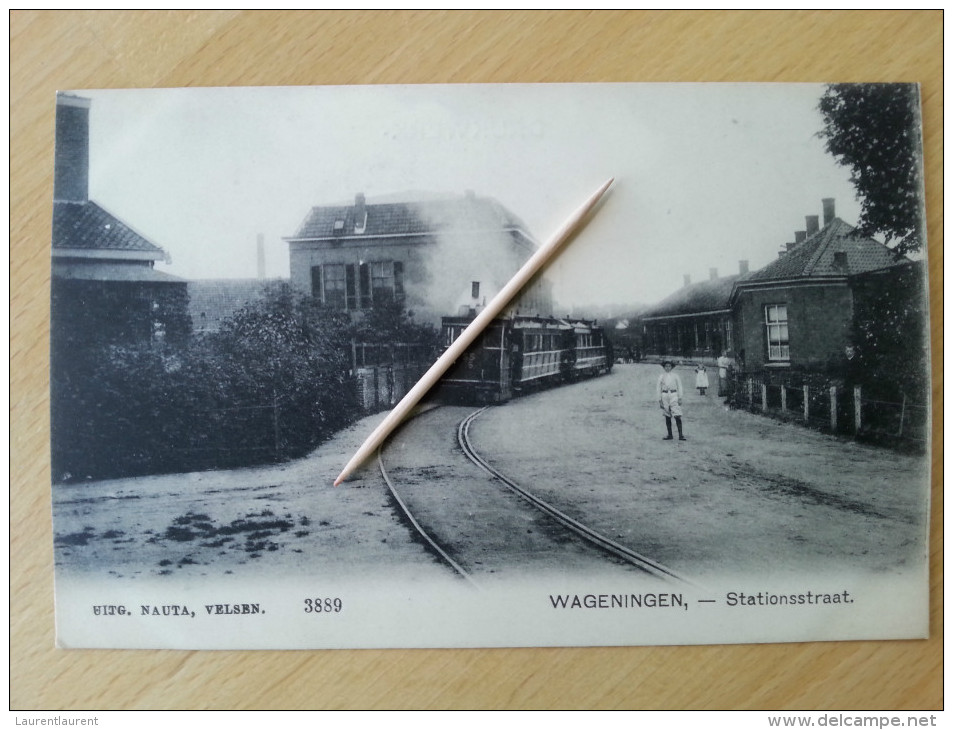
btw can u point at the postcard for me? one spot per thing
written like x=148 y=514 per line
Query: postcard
x=706 y=421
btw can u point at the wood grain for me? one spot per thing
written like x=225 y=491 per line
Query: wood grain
x=105 y=49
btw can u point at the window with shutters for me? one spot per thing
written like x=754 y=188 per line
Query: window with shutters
x=335 y=286
x=382 y=281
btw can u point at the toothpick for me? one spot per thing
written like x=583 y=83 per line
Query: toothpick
x=473 y=330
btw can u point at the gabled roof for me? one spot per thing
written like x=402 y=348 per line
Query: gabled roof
x=86 y=227
x=814 y=257
x=468 y=213
x=705 y=296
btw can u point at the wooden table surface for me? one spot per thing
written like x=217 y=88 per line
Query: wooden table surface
x=53 y=50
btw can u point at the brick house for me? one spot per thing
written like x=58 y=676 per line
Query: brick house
x=105 y=293
x=798 y=311
x=212 y=301
x=695 y=322
x=104 y=285
x=433 y=257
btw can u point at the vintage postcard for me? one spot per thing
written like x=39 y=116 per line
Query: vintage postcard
x=706 y=421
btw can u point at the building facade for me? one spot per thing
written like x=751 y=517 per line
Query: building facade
x=694 y=323
x=433 y=257
x=104 y=285
x=106 y=300
x=798 y=311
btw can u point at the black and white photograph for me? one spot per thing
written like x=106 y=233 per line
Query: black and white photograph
x=706 y=420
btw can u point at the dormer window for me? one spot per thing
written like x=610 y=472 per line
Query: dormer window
x=360 y=227
x=339 y=225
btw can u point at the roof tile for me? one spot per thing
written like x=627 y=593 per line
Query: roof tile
x=814 y=257
x=705 y=296
x=88 y=226
x=467 y=213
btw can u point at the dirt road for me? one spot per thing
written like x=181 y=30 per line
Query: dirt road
x=273 y=520
x=744 y=493
x=486 y=528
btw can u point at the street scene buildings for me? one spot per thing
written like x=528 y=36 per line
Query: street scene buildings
x=198 y=423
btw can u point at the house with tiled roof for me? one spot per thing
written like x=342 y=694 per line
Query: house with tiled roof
x=433 y=256
x=798 y=311
x=105 y=287
x=212 y=301
x=91 y=243
x=695 y=322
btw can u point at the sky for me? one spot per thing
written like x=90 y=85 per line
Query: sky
x=705 y=175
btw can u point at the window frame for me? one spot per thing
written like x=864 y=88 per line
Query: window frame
x=777 y=333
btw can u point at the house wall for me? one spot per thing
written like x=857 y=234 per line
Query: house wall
x=88 y=315
x=437 y=277
x=700 y=337
x=305 y=255
x=819 y=325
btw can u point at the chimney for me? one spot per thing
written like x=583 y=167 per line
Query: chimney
x=71 y=172
x=811 y=224
x=828 y=204
x=743 y=267
x=789 y=245
x=799 y=237
x=688 y=279
x=261 y=256
x=712 y=274
x=360 y=213
x=840 y=260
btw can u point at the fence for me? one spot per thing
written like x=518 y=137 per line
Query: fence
x=832 y=405
x=372 y=354
x=384 y=373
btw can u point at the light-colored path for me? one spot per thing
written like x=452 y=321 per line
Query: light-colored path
x=743 y=492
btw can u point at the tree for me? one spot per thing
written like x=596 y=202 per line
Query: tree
x=390 y=323
x=271 y=384
x=291 y=351
x=874 y=129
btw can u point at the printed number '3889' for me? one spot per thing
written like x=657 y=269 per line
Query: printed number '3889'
x=322 y=605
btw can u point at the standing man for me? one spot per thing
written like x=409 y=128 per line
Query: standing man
x=669 y=391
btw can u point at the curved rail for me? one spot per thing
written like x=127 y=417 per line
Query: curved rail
x=601 y=541
x=420 y=530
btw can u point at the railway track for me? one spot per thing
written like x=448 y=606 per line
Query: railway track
x=441 y=538
x=585 y=532
x=427 y=538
